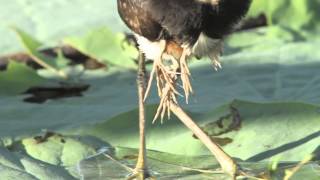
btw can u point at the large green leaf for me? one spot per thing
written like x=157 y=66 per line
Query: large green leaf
x=32 y=46
x=110 y=162
x=254 y=140
x=268 y=79
x=19 y=165
x=272 y=72
x=299 y=15
x=282 y=73
x=51 y=21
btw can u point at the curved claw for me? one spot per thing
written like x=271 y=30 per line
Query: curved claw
x=140 y=174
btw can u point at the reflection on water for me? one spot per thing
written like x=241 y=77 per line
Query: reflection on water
x=103 y=165
x=118 y=163
x=110 y=163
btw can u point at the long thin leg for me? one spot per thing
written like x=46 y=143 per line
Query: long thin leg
x=141 y=164
x=141 y=171
x=228 y=165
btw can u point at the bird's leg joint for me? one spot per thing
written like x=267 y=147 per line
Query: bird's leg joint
x=141 y=71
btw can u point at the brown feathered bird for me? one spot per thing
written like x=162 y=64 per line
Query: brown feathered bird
x=169 y=32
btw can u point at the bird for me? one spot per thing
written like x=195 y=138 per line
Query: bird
x=170 y=32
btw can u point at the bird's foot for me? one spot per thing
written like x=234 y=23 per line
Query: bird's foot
x=165 y=78
x=140 y=174
x=236 y=171
x=185 y=74
x=232 y=169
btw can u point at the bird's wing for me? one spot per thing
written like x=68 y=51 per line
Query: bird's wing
x=138 y=18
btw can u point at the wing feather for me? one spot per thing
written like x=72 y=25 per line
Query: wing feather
x=138 y=19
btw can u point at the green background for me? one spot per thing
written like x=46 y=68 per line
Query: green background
x=270 y=75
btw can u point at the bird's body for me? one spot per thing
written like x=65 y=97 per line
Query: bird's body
x=193 y=24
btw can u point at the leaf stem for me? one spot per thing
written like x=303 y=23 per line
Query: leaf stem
x=48 y=66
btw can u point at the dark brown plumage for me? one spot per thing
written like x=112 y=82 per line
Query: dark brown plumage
x=181 y=20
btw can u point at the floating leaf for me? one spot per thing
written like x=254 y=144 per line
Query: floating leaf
x=32 y=46
x=273 y=71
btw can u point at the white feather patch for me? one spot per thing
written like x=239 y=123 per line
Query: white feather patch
x=206 y=46
x=213 y=2
x=152 y=50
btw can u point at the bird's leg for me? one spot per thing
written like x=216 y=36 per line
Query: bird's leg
x=227 y=164
x=141 y=164
x=141 y=171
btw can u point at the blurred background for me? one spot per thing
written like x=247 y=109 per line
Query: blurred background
x=50 y=21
